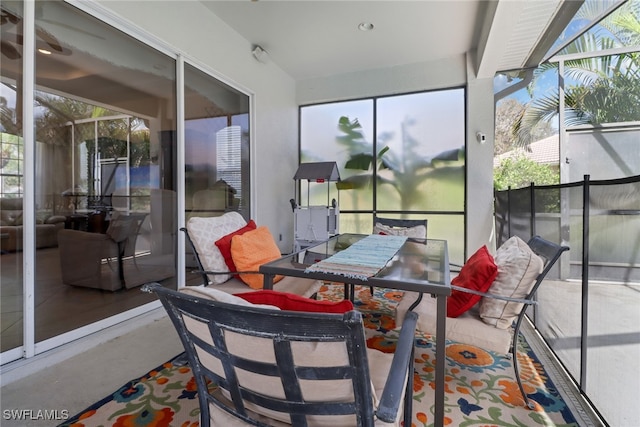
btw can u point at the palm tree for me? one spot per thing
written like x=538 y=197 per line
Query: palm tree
x=606 y=88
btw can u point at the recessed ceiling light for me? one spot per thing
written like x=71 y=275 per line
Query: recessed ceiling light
x=44 y=51
x=365 y=26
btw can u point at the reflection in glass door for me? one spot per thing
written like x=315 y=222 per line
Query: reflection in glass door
x=104 y=173
x=11 y=183
x=216 y=146
x=100 y=137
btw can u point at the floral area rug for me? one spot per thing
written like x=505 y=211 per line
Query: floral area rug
x=480 y=386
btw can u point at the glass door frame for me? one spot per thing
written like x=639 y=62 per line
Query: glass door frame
x=29 y=347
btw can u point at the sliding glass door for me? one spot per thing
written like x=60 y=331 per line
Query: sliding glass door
x=100 y=175
x=11 y=184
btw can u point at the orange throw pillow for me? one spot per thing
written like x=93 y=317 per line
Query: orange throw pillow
x=252 y=249
x=224 y=244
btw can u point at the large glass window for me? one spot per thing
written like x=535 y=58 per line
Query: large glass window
x=398 y=156
x=105 y=158
x=104 y=105
x=217 y=173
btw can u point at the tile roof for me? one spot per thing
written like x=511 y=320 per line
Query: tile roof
x=545 y=151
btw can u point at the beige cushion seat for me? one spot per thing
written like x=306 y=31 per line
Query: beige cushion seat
x=293 y=285
x=494 y=324
x=488 y=324
x=254 y=348
x=468 y=328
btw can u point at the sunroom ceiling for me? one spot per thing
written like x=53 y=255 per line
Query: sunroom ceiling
x=308 y=38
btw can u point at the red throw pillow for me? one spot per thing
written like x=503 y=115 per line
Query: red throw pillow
x=293 y=302
x=224 y=244
x=477 y=274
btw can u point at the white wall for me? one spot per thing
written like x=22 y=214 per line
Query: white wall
x=450 y=72
x=480 y=118
x=189 y=28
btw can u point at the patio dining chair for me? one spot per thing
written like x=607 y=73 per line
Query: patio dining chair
x=269 y=367
x=210 y=241
x=490 y=297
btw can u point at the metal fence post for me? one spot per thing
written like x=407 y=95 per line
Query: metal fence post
x=532 y=201
x=585 y=284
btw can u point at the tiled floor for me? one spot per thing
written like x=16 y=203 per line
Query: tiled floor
x=59 y=308
x=73 y=384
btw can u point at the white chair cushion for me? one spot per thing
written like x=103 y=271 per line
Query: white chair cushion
x=204 y=233
x=417 y=232
x=467 y=328
x=518 y=268
x=304 y=354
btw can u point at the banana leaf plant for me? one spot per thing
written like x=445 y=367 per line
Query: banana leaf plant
x=406 y=170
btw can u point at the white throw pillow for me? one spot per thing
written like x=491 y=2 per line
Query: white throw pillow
x=417 y=232
x=204 y=233
x=518 y=269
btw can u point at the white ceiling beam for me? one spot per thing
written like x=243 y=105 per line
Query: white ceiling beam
x=499 y=25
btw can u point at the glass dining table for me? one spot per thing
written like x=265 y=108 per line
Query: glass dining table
x=420 y=265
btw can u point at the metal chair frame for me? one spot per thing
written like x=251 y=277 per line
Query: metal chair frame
x=550 y=253
x=285 y=328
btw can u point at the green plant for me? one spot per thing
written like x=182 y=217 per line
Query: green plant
x=408 y=169
x=519 y=171
x=604 y=89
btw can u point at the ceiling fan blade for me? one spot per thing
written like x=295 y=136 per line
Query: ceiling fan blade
x=49 y=39
x=8 y=17
x=72 y=28
x=9 y=50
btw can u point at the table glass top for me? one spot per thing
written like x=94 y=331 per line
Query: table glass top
x=420 y=265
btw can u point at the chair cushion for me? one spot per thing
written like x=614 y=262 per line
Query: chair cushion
x=477 y=274
x=293 y=302
x=224 y=244
x=221 y=296
x=417 y=232
x=326 y=354
x=467 y=328
x=204 y=232
x=252 y=249
x=518 y=268
x=11 y=217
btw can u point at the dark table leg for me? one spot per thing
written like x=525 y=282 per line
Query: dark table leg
x=268 y=281
x=441 y=332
